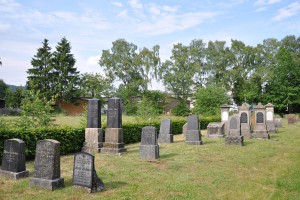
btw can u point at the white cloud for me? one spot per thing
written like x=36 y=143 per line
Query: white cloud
x=8 y=6
x=118 y=4
x=154 y=9
x=289 y=11
x=266 y=2
x=123 y=14
x=136 y=4
x=170 y=8
x=4 y=27
x=93 y=60
x=261 y=9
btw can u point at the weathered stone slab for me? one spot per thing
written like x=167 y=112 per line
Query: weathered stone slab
x=278 y=122
x=13 y=160
x=149 y=149
x=165 y=132
x=215 y=129
x=193 y=134
x=47 y=165
x=93 y=140
x=84 y=173
x=234 y=126
x=234 y=140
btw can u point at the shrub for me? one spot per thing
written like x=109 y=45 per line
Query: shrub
x=180 y=110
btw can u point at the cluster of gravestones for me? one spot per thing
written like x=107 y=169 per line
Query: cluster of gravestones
x=256 y=123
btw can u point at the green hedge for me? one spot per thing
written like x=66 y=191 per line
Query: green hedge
x=71 y=139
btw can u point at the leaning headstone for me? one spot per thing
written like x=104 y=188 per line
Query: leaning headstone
x=84 y=173
x=47 y=165
x=149 y=149
x=270 y=118
x=114 y=132
x=244 y=114
x=234 y=136
x=13 y=160
x=165 y=133
x=260 y=128
x=215 y=130
x=93 y=132
x=193 y=134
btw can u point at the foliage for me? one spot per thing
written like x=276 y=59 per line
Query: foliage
x=181 y=109
x=146 y=109
x=35 y=111
x=14 y=99
x=209 y=100
x=3 y=88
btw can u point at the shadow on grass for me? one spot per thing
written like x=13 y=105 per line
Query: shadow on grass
x=169 y=155
x=209 y=141
x=114 y=185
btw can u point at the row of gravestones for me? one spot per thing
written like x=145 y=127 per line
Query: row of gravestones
x=47 y=166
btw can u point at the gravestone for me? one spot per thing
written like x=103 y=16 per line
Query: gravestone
x=114 y=132
x=292 y=118
x=149 y=149
x=84 y=173
x=13 y=160
x=47 y=165
x=165 y=133
x=278 y=122
x=193 y=134
x=184 y=127
x=225 y=116
x=234 y=136
x=260 y=128
x=270 y=118
x=215 y=130
x=93 y=132
x=244 y=114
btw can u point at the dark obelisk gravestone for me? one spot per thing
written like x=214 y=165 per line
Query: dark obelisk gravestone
x=165 y=133
x=13 y=160
x=47 y=165
x=234 y=136
x=193 y=134
x=84 y=173
x=149 y=149
x=114 y=132
x=93 y=132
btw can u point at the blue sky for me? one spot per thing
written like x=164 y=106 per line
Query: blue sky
x=91 y=26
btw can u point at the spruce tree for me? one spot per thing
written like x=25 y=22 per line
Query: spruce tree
x=67 y=76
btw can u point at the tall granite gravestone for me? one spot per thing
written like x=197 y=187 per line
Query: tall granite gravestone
x=165 y=133
x=114 y=132
x=244 y=114
x=215 y=130
x=225 y=116
x=84 y=173
x=260 y=128
x=270 y=118
x=47 y=165
x=149 y=149
x=93 y=132
x=193 y=134
x=13 y=160
x=234 y=136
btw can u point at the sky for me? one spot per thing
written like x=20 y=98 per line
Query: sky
x=91 y=26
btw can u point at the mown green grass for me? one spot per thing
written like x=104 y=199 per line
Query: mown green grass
x=262 y=169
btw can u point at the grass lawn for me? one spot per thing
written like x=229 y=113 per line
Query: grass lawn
x=262 y=169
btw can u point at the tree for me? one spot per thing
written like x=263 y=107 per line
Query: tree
x=125 y=64
x=95 y=85
x=3 y=88
x=40 y=76
x=209 y=100
x=66 y=76
x=283 y=90
x=14 y=99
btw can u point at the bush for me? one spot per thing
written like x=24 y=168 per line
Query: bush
x=181 y=110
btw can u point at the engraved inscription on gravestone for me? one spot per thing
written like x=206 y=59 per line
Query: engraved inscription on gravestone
x=193 y=122
x=149 y=136
x=233 y=123
x=94 y=115
x=114 y=113
x=83 y=169
x=244 y=118
x=259 y=117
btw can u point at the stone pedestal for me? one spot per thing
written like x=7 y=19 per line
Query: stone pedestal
x=149 y=152
x=193 y=137
x=50 y=184
x=113 y=141
x=234 y=140
x=215 y=130
x=93 y=140
x=14 y=175
x=246 y=131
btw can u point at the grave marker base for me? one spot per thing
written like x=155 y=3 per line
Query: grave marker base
x=149 y=152
x=47 y=183
x=234 y=140
x=165 y=138
x=14 y=175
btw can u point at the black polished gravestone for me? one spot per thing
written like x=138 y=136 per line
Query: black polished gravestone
x=47 y=165
x=93 y=132
x=114 y=132
x=84 y=173
x=149 y=149
x=165 y=133
x=13 y=160
x=193 y=134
